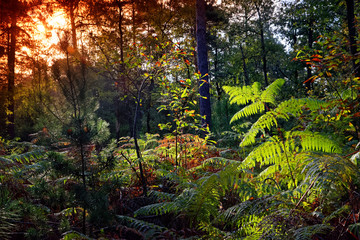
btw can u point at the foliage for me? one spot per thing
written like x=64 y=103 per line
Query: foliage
x=283 y=166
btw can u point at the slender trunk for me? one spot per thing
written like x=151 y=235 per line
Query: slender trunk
x=137 y=148
x=350 y=6
x=246 y=74
x=11 y=73
x=133 y=23
x=118 y=115
x=263 y=47
x=263 y=53
x=204 y=86
x=216 y=68
x=176 y=148
x=83 y=176
x=73 y=26
x=310 y=43
x=122 y=69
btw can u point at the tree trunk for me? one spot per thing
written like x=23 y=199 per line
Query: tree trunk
x=310 y=43
x=246 y=74
x=11 y=73
x=263 y=53
x=352 y=34
x=263 y=47
x=202 y=59
x=72 y=8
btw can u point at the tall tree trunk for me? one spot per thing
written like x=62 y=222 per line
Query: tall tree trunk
x=310 y=45
x=350 y=6
x=350 y=15
x=263 y=53
x=202 y=59
x=246 y=74
x=11 y=72
x=122 y=81
x=72 y=8
x=263 y=47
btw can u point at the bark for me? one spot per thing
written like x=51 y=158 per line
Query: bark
x=137 y=147
x=310 y=45
x=246 y=74
x=11 y=73
x=122 y=82
x=350 y=15
x=72 y=8
x=264 y=59
x=202 y=59
x=263 y=47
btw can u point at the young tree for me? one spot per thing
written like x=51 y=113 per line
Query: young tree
x=202 y=60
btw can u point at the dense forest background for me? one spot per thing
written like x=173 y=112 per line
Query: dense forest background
x=179 y=119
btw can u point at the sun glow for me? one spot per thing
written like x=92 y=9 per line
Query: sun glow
x=58 y=20
x=47 y=31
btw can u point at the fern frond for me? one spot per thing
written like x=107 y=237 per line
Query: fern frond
x=272 y=90
x=243 y=95
x=315 y=142
x=5 y=161
x=266 y=121
x=215 y=162
x=330 y=169
x=337 y=213
x=7 y=225
x=252 y=109
x=75 y=236
x=161 y=196
x=150 y=230
x=270 y=152
x=305 y=233
x=355 y=229
x=295 y=106
x=205 y=202
x=157 y=209
x=247 y=208
x=28 y=156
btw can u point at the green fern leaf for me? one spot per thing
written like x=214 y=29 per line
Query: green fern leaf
x=150 y=230
x=266 y=121
x=157 y=209
x=316 y=142
x=272 y=90
x=307 y=232
x=5 y=161
x=252 y=109
x=161 y=196
x=243 y=95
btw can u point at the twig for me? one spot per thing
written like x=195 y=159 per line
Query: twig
x=304 y=195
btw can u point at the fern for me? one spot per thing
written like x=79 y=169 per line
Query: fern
x=305 y=233
x=292 y=107
x=149 y=230
x=330 y=169
x=355 y=229
x=243 y=95
x=161 y=196
x=315 y=142
x=272 y=91
x=336 y=213
x=252 y=109
x=5 y=161
x=28 y=156
x=253 y=94
x=214 y=162
x=158 y=209
x=74 y=235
